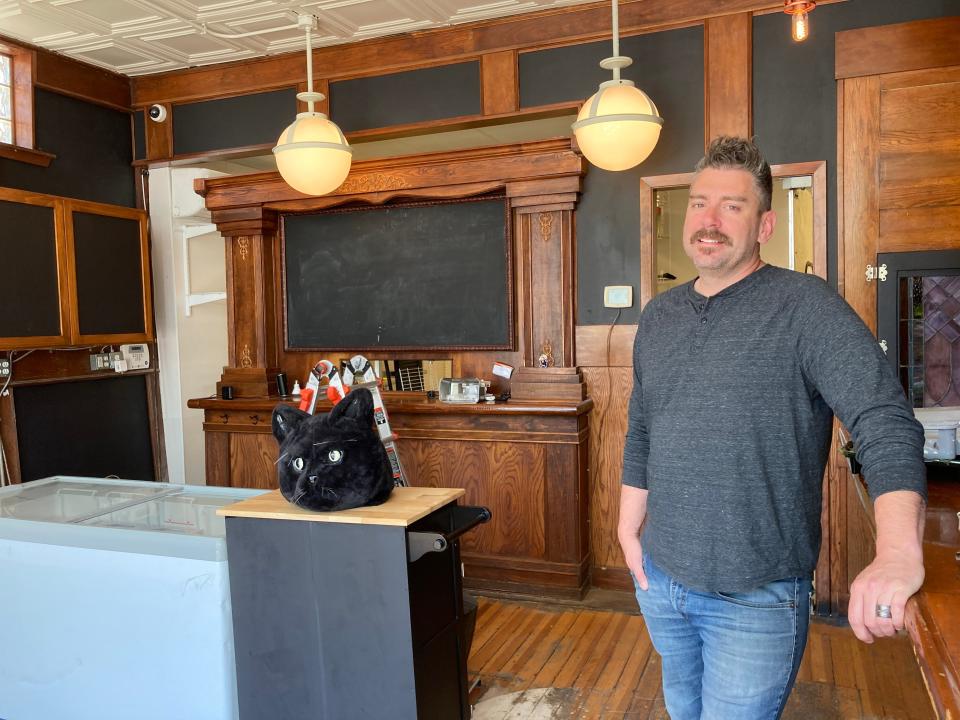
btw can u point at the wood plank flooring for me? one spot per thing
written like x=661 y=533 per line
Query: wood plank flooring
x=540 y=662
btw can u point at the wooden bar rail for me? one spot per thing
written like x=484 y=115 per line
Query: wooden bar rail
x=933 y=614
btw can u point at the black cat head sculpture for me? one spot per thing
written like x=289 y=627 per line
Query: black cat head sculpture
x=334 y=461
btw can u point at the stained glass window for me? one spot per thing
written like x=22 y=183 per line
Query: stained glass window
x=930 y=339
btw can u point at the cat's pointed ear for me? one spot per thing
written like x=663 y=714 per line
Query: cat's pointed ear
x=357 y=405
x=286 y=419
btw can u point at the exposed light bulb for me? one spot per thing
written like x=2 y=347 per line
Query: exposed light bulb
x=800 y=26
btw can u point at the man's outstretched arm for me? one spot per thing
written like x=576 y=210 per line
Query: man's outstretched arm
x=896 y=572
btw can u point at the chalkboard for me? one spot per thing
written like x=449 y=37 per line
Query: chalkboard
x=402 y=276
x=89 y=428
x=109 y=274
x=29 y=292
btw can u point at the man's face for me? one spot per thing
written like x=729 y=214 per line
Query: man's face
x=724 y=228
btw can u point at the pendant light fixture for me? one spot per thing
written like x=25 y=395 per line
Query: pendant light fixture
x=800 y=22
x=312 y=154
x=619 y=126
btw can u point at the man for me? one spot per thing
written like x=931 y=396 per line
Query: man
x=736 y=377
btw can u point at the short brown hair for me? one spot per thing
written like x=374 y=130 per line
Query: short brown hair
x=737 y=153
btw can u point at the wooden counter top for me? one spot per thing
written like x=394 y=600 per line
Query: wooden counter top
x=415 y=403
x=405 y=506
x=933 y=614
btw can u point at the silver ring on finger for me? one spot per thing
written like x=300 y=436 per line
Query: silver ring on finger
x=884 y=611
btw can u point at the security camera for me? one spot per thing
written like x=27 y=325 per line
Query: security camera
x=157 y=113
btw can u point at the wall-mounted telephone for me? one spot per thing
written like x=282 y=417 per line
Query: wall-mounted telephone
x=137 y=356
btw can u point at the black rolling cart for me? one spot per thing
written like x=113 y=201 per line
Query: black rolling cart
x=351 y=614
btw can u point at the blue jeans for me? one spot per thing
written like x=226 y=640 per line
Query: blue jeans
x=726 y=656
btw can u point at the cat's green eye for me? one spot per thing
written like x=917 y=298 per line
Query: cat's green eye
x=335 y=456
x=298 y=464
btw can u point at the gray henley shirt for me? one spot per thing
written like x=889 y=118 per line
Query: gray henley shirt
x=730 y=422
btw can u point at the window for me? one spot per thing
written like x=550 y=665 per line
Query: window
x=6 y=99
x=16 y=106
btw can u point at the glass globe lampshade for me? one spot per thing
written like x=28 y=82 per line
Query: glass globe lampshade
x=312 y=154
x=618 y=127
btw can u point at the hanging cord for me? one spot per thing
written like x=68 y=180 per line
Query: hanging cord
x=606 y=411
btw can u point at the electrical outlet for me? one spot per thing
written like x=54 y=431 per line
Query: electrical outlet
x=4 y=367
x=104 y=361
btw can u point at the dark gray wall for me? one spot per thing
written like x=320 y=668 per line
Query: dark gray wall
x=795 y=120
x=794 y=91
x=668 y=66
x=241 y=121
x=406 y=97
x=94 y=149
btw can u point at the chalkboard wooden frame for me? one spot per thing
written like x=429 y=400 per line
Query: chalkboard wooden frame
x=67 y=297
x=92 y=208
x=62 y=270
x=510 y=331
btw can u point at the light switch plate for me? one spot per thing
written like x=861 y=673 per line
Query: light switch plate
x=618 y=296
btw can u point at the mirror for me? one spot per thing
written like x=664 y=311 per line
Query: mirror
x=798 y=242
x=406 y=375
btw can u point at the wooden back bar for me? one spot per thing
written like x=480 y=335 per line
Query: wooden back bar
x=525 y=461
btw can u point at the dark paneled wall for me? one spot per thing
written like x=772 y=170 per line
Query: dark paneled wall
x=668 y=66
x=93 y=146
x=91 y=428
x=795 y=93
x=233 y=122
x=406 y=97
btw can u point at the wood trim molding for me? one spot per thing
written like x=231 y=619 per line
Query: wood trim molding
x=66 y=76
x=860 y=193
x=23 y=61
x=593 y=340
x=530 y=31
x=96 y=208
x=884 y=49
x=382 y=180
x=728 y=76
x=26 y=155
x=648 y=268
x=499 y=81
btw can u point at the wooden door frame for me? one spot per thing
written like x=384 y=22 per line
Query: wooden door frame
x=817 y=170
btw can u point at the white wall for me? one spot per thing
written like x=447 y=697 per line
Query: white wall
x=192 y=350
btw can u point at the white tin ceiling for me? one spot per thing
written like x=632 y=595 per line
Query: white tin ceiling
x=137 y=37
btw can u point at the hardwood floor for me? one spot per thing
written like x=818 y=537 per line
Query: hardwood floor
x=539 y=662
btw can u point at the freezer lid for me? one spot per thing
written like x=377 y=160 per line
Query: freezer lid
x=75 y=513
x=70 y=500
x=191 y=511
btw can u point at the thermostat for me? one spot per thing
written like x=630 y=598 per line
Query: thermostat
x=618 y=296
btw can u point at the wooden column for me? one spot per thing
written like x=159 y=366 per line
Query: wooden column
x=546 y=296
x=250 y=234
x=728 y=75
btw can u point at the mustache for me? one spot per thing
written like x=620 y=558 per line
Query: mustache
x=709 y=235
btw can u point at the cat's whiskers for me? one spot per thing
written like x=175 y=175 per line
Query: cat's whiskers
x=327 y=442
x=280 y=458
x=325 y=490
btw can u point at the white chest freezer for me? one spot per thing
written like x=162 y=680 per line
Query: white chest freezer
x=115 y=601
